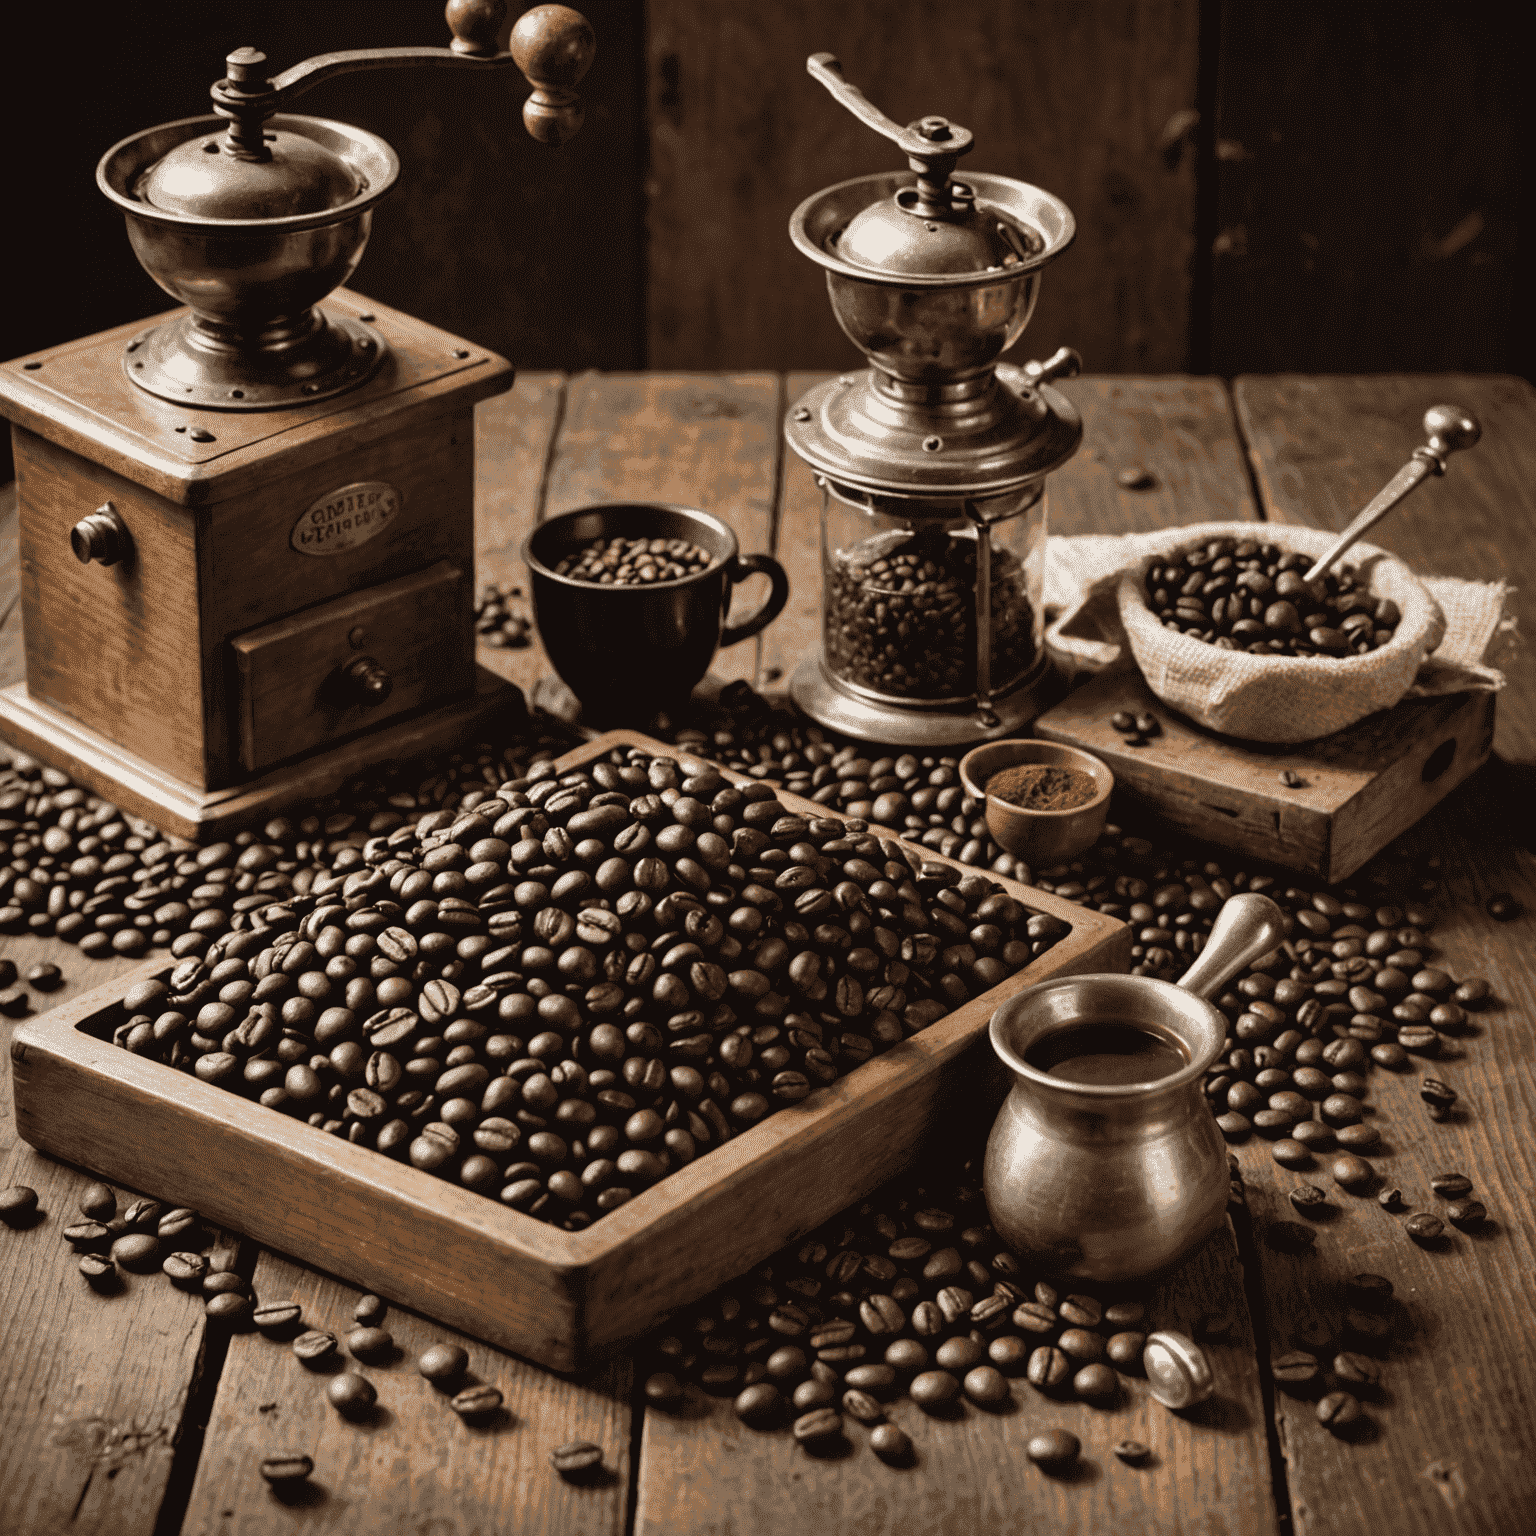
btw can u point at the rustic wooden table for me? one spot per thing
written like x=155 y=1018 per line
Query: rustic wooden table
x=119 y=1416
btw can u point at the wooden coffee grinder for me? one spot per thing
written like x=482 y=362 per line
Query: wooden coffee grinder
x=247 y=530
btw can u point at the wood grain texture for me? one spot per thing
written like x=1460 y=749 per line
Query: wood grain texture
x=1359 y=788
x=93 y=1388
x=1322 y=447
x=704 y=1472
x=709 y=441
x=1068 y=97
x=1180 y=430
x=1452 y=1441
x=560 y=1298
x=513 y=439
x=413 y=1465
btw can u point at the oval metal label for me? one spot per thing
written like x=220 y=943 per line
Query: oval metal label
x=346 y=518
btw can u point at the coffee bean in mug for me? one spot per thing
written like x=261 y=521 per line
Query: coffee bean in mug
x=629 y=650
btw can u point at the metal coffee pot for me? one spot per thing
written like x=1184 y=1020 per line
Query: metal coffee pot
x=1112 y=1181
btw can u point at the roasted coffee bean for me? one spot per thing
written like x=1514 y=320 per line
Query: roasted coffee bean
x=1124 y=1314
x=891 y=1444
x=1080 y=1345
x=137 y=1252
x=1451 y=1186
x=1352 y=1172
x=441 y=1363
x=315 y=1347
x=1391 y=1199
x=274 y=1317
x=369 y=1311
x=815 y=1394
x=1295 y=1370
x=1048 y=1368
x=1054 y=1450
x=286 y=1468
x=985 y=1386
x=1338 y=1410
x=577 y=1459
x=219 y=1282
x=1467 y=1214
x=1424 y=1227
x=370 y=1343
x=876 y=1379
x=98 y=1202
x=1124 y=1349
x=351 y=1395
x=1357 y=1370
x=759 y=1406
x=98 y=1269
x=185 y=1269
x=143 y=1215
x=1132 y=1452
x=230 y=1308
x=1290 y=1153
x=1081 y=1311
x=818 y=1428
x=1309 y=1199
x=863 y=1407
x=18 y=1205
x=960 y=1354
x=932 y=1390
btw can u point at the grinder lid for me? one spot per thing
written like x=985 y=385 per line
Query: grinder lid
x=892 y=236
x=203 y=179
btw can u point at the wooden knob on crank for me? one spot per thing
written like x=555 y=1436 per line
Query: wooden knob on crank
x=554 y=47
x=475 y=24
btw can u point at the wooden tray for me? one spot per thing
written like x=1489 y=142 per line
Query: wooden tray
x=560 y=1298
x=1359 y=788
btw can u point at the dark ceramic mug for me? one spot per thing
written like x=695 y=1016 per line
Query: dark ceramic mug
x=628 y=652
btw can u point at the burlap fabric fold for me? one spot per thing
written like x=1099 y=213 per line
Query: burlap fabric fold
x=1440 y=645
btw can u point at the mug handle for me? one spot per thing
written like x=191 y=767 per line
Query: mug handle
x=749 y=565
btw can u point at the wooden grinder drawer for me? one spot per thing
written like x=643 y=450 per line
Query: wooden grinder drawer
x=299 y=679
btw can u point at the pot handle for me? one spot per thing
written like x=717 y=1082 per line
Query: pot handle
x=751 y=565
x=1248 y=926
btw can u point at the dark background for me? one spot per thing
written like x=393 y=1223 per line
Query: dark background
x=1308 y=185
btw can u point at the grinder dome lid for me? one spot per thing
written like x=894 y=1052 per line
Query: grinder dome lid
x=203 y=179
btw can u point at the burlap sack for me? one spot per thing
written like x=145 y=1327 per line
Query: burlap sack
x=1100 y=583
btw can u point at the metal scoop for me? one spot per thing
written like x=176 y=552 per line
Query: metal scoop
x=1449 y=429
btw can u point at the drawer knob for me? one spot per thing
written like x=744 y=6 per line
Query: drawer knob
x=369 y=682
x=101 y=535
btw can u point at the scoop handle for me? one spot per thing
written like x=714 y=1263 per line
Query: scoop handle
x=1248 y=926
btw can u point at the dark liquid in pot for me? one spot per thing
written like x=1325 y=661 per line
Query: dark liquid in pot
x=1105 y=1054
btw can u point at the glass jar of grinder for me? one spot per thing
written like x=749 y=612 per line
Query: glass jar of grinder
x=932 y=462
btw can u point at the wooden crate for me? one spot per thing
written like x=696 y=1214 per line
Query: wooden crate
x=1359 y=788
x=561 y=1298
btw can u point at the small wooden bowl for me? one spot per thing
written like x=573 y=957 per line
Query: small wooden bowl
x=1040 y=838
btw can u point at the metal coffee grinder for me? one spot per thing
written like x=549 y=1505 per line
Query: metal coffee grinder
x=247 y=530
x=932 y=462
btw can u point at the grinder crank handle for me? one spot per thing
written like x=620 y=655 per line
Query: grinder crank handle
x=1247 y=926
x=1449 y=429
x=552 y=45
x=932 y=145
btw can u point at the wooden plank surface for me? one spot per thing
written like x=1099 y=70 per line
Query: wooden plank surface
x=1071 y=98
x=709 y=441
x=412 y=1465
x=1322 y=447
x=1451 y=1446
x=703 y=1472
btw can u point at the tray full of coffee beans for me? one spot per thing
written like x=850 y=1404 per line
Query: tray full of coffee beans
x=551 y=1067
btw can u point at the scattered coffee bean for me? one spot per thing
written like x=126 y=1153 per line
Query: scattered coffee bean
x=351 y=1395
x=1437 y=1094
x=274 y=1317
x=18 y=1205
x=477 y=1402
x=891 y=1444
x=229 y=1308
x=286 y=1468
x=370 y=1343
x=986 y=1386
x=369 y=1311
x=576 y=1459
x=315 y=1347
x=1096 y=1384
x=1053 y=1449
x=1290 y=1153
x=143 y=1215
x=1451 y=1186
x=186 y=1269
x=1049 y=1369
x=861 y=1406
x=1136 y=477
x=46 y=977
x=218 y=1282
x=814 y=1394
x=98 y=1202
x=1391 y=1199
x=441 y=1363
x=13 y=1003
x=1338 y=1410
x=1123 y=721
x=818 y=1427
x=137 y=1252
x=1297 y=1369
x=933 y=1389
x=1081 y=1311
x=1124 y=1314
x=663 y=1390
x=1352 y=1172
x=1467 y=1214
x=1424 y=1227
x=1359 y=1138
x=1132 y=1452
x=1124 y=1349
x=98 y=1269
x=1309 y=1199
x=760 y=1406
